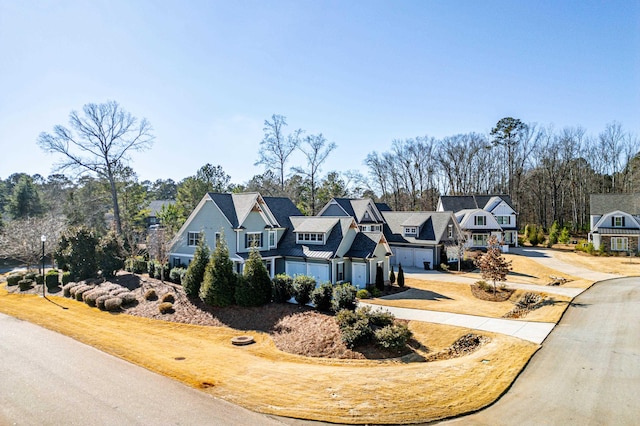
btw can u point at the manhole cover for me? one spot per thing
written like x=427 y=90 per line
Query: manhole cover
x=242 y=340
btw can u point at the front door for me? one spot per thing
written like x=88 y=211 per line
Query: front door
x=359 y=274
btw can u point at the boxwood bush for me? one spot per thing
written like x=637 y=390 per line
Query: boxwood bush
x=25 y=284
x=282 y=288
x=344 y=297
x=321 y=297
x=13 y=279
x=52 y=279
x=303 y=285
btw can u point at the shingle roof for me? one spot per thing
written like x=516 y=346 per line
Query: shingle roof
x=434 y=226
x=317 y=224
x=456 y=203
x=383 y=207
x=156 y=206
x=364 y=245
x=338 y=228
x=601 y=204
x=356 y=208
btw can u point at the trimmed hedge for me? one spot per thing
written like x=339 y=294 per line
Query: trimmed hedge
x=282 y=288
x=303 y=285
x=168 y=297
x=151 y=294
x=66 y=277
x=165 y=308
x=344 y=297
x=113 y=304
x=321 y=297
x=25 y=284
x=52 y=279
x=14 y=279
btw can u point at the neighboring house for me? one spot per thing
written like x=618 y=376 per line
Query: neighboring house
x=615 y=222
x=329 y=249
x=481 y=216
x=155 y=207
x=415 y=238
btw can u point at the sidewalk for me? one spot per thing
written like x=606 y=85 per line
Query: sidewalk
x=534 y=332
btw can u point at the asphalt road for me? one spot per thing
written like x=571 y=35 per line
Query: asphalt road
x=588 y=370
x=49 y=379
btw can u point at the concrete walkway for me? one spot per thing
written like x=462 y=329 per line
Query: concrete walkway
x=534 y=332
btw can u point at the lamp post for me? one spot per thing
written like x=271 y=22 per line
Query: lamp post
x=43 y=238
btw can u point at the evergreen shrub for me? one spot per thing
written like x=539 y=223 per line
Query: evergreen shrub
x=321 y=297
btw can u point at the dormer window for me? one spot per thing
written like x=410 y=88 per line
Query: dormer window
x=410 y=230
x=309 y=238
x=617 y=221
x=450 y=231
x=371 y=228
x=503 y=220
x=480 y=220
x=254 y=239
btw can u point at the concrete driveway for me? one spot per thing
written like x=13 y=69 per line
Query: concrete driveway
x=587 y=372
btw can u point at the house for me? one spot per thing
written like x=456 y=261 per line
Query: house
x=615 y=222
x=415 y=238
x=154 y=208
x=330 y=249
x=481 y=216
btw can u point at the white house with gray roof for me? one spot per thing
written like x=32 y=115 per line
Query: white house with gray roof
x=331 y=249
x=481 y=216
x=615 y=222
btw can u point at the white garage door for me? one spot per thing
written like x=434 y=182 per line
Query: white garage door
x=359 y=275
x=319 y=272
x=413 y=257
x=295 y=268
x=404 y=256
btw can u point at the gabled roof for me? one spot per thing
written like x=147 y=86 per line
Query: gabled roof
x=606 y=222
x=336 y=226
x=383 y=207
x=433 y=226
x=464 y=217
x=356 y=208
x=314 y=224
x=455 y=203
x=365 y=243
x=604 y=203
x=236 y=208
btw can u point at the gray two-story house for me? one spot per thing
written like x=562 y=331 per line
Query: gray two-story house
x=615 y=222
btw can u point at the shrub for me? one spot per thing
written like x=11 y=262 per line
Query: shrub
x=529 y=300
x=113 y=304
x=564 y=237
x=379 y=317
x=136 y=265
x=244 y=292
x=90 y=297
x=30 y=276
x=161 y=271
x=52 y=279
x=13 y=279
x=363 y=294
x=393 y=336
x=303 y=285
x=177 y=274
x=483 y=285
x=80 y=290
x=444 y=267
x=25 y=284
x=586 y=247
x=128 y=298
x=354 y=327
x=400 y=275
x=110 y=254
x=151 y=295
x=151 y=268
x=166 y=308
x=344 y=297
x=392 y=276
x=321 y=297
x=554 y=232
x=282 y=288
x=168 y=297
x=100 y=301
x=195 y=271
x=39 y=279
x=66 y=277
x=379 y=278
x=219 y=279
x=77 y=252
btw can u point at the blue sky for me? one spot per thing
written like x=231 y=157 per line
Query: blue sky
x=206 y=74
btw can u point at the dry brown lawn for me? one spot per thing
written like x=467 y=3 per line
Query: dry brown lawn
x=265 y=379
x=458 y=298
x=610 y=264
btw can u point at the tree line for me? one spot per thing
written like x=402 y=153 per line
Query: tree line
x=548 y=173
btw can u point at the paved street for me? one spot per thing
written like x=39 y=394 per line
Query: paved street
x=587 y=372
x=50 y=379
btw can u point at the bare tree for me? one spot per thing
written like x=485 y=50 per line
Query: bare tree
x=99 y=141
x=276 y=147
x=316 y=150
x=20 y=238
x=493 y=266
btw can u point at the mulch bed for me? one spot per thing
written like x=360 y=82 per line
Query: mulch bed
x=500 y=295
x=295 y=329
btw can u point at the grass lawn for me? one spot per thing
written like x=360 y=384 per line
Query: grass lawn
x=264 y=379
x=621 y=265
x=457 y=298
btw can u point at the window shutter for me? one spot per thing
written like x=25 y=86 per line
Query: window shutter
x=613 y=223
x=246 y=240
x=623 y=220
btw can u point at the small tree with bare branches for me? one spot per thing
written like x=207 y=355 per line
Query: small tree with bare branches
x=492 y=264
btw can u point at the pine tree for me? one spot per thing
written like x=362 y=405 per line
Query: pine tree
x=195 y=271
x=256 y=273
x=400 y=275
x=564 y=237
x=379 y=278
x=392 y=276
x=219 y=285
x=553 y=233
x=493 y=266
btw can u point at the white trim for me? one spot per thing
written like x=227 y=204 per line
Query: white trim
x=273 y=234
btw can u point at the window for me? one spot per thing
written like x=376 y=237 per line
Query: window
x=450 y=231
x=619 y=244
x=503 y=220
x=313 y=238
x=410 y=230
x=340 y=271
x=371 y=228
x=272 y=239
x=254 y=239
x=479 y=240
x=193 y=238
x=480 y=220
x=217 y=238
x=618 y=221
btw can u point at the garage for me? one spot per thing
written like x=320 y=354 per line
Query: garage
x=318 y=271
x=412 y=257
x=359 y=275
x=295 y=268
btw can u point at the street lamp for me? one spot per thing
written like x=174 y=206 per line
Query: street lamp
x=43 y=238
